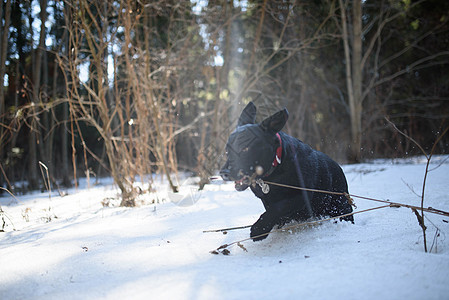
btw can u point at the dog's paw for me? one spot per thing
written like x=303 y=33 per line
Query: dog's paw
x=260 y=229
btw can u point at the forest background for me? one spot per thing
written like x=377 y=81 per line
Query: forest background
x=130 y=89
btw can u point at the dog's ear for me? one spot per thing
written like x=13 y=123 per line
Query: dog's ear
x=276 y=122
x=248 y=115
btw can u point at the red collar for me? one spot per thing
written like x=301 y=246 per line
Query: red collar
x=278 y=157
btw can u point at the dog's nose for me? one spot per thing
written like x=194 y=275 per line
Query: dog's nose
x=225 y=174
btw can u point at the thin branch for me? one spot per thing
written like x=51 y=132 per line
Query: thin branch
x=411 y=67
x=379 y=31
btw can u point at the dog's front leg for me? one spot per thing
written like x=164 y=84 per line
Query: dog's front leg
x=271 y=217
x=264 y=225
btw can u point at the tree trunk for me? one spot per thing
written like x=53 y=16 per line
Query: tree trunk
x=14 y=134
x=353 y=76
x=35 y=138
x=356 y=109
x=301 y=105
x=3 y=46
x=47 y=119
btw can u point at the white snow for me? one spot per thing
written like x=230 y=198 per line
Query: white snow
x=74 y=248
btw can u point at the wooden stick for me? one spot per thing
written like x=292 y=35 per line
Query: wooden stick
x=226 y=229
x=216 y=251
x=428 y=209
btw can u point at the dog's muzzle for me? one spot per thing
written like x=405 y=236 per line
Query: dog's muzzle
x=240 y=184
x=244 y=182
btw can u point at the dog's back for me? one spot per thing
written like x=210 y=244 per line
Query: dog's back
x=305 y=167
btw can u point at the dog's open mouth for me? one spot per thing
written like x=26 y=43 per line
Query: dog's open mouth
x=243 y=183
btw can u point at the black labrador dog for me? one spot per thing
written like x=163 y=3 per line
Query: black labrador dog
x=261 y=152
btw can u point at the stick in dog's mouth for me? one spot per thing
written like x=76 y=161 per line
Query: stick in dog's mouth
x=246 y=180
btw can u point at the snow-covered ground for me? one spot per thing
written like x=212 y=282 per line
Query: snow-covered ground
x=73 y=247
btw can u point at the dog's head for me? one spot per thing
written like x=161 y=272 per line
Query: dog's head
x=251 y=148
